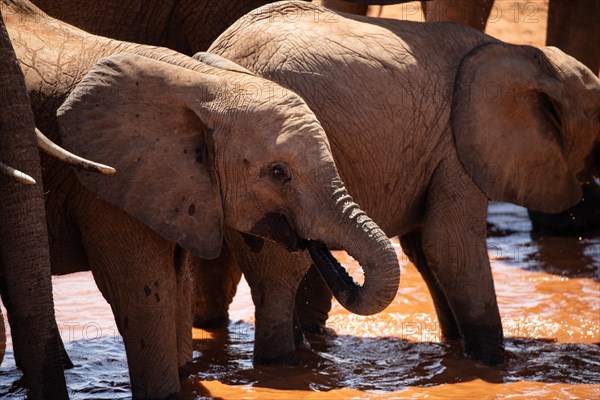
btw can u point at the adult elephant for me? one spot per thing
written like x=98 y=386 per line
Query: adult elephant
x=424 y=134
x=25 y=282
x=200 y=148
x=24 y=260
x=187 y=26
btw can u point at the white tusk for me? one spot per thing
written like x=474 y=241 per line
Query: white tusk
x=50 y=148
x=16 y=174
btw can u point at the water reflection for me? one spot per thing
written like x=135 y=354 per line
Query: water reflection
x=391 y=364
x=573 y=257
x=100 y=371
x=548 y=293
x=510 y=240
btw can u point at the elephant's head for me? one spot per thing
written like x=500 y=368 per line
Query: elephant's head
x=527 y=124
x=200 y=147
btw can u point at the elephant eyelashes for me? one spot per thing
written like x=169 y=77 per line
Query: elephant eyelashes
x=279 y=172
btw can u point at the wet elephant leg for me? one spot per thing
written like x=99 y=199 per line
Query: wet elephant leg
x=66 y=360
x=133 y=268
x=454 y=232
x=573 y=27
x=313 y=302
x=182 y=261
x=473 y=13
x=273 y=275
x=412 y=245
x=215 y=283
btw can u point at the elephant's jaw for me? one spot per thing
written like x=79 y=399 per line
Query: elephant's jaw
x=276 y=227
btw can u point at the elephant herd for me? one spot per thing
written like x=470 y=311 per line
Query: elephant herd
x=249 y=139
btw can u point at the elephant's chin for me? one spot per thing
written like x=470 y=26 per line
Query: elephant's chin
x=275 y=227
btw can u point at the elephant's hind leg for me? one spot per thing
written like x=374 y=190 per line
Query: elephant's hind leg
x=133 y=268
x=412 y=245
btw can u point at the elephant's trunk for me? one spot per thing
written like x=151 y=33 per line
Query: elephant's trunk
x=369 y=245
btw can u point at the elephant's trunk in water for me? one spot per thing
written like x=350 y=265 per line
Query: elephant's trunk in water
x=367 y=243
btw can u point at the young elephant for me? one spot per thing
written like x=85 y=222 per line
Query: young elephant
x=424 y=131
x=197 y=151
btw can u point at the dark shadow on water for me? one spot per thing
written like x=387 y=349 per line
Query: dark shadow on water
x=390 y=363
x=571 y=257
x=510 y=240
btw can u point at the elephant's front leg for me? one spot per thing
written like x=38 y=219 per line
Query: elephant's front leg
x=453 y=237
x=215 y=283
x=313 y=302
x=273 y=275
x=134 y=269
x=184 y=262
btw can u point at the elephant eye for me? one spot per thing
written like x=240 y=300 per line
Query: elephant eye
x=279 y=172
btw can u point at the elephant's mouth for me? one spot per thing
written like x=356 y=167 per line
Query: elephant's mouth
x=276 y=227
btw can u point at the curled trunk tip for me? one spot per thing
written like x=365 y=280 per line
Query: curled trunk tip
x=382 y=278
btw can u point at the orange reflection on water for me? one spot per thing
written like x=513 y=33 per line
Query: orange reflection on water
x=550 y=305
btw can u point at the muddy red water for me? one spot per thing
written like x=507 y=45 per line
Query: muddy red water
x=548 y=290
x=549 y=296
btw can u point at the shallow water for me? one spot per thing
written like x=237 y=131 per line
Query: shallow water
x=549 y=296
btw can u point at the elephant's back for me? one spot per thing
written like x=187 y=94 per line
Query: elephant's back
x=382 y=94
x=275 y=33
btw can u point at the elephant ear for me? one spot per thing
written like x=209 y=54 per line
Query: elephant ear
x=507 y=110
x=150 y=120
x=219 y=62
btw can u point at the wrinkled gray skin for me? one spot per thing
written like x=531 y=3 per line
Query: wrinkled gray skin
x=422 y=146
x=187 y=26
x=570 y=23
x=198 y=151
x=569 y=26
x=25 y=282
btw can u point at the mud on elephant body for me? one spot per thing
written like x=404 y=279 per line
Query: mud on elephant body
x=198 y=151
x=422 y=142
